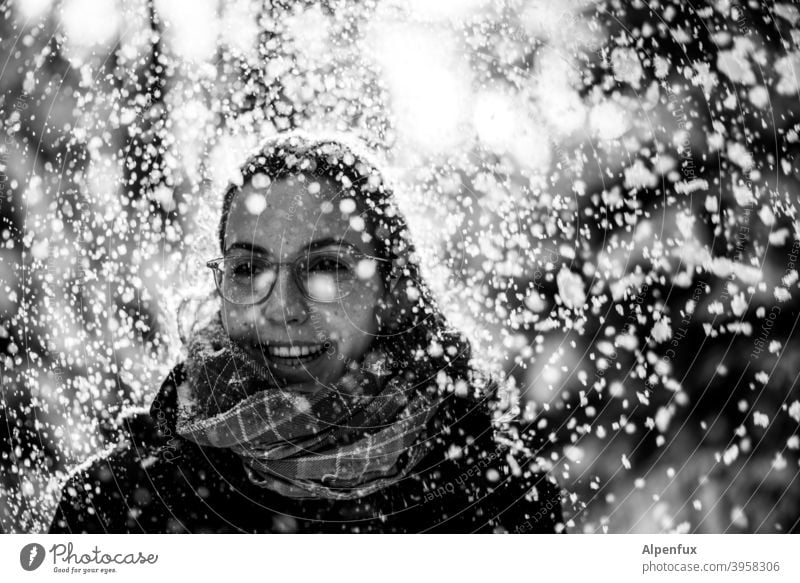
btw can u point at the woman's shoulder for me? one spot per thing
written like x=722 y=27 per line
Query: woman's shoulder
x=97 y=493
x=105 y=492
x=155 y=481
x=486 y=477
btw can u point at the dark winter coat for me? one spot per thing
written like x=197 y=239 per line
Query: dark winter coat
x=158 y=482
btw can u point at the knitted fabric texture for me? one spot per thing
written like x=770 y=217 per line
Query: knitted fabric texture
x=302 y=441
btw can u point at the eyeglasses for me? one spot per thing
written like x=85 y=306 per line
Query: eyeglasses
x=325 y=276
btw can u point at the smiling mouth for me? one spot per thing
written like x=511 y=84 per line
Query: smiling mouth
x=294 y=355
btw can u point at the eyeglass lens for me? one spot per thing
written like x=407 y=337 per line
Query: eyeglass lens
x=322 y=276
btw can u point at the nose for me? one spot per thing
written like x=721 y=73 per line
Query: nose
x=286 y=304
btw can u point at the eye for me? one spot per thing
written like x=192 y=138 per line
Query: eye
x=329 y=264
x=244 y=267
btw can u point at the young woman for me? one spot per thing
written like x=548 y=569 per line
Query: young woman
x=326 y=392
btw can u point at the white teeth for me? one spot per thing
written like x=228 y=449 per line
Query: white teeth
x=293 y=351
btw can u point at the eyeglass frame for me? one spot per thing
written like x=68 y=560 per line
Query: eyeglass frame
x=213 y=264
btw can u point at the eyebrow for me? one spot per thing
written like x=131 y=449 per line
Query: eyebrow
x=318 y=244
x=329 y=242
x=254 y=249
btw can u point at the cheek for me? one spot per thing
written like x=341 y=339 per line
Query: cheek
x=239 y=320
x=352 y=323
x=338 y=323
x=362 y=307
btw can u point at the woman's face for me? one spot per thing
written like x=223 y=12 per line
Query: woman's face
x=302 y=339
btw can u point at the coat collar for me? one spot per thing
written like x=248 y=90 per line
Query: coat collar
x=164 y=409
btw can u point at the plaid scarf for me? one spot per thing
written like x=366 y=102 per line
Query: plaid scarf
x=340 y=442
